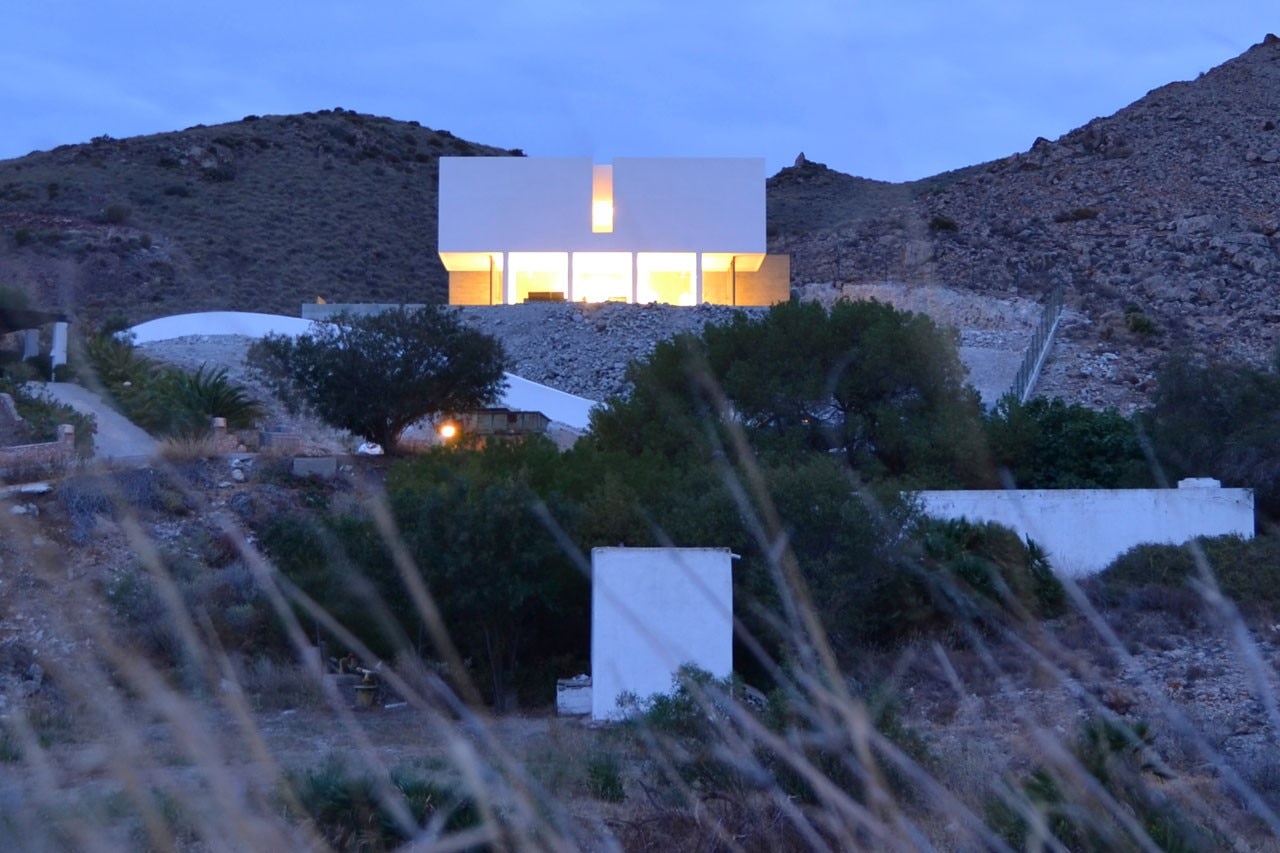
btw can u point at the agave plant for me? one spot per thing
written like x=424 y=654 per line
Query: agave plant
x=192 y=400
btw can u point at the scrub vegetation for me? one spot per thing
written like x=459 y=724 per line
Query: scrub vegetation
x=377 y=374
x=900 y=682
x=165 y=401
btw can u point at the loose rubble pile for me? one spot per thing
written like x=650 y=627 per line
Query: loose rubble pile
x=584 y=349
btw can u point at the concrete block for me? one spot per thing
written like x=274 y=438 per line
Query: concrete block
x=325 y=467
x=279 y=442
x=573 y=696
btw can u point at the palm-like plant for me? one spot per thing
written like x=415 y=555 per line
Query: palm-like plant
x=191 y=401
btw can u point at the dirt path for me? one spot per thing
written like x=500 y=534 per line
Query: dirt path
x=117 y=438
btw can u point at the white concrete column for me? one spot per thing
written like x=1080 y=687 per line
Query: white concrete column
x=697 y=286
x=635 y=277
x=508 y=281
x=568 y=285
x=59 y=349
x=30 y=344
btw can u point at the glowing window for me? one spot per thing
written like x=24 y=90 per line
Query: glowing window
x=602 y=276
x=539 y=276
x=602 y=199
x=666 y=277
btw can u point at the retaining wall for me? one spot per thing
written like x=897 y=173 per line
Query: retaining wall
x=49 y=454
x=1084 y=530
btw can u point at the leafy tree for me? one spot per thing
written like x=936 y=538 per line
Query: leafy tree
x=376 y=374
x=1048 y=444
x=1220 y=420
x=884 y=387
x=510 y=594
x=13 y=298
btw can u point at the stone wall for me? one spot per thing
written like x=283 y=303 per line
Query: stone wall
x=49 y=454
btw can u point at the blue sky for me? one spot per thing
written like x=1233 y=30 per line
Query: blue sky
x=888 y=90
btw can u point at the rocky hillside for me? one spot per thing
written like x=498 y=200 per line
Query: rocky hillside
x=1160 y=222
x=260 y=214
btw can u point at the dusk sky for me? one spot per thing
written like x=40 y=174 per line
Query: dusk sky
x=889 y=90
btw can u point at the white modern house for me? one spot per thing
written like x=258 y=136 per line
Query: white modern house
x=677 y=230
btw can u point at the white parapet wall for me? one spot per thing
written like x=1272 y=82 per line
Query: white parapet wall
x=652 y=611
x=1084 y=530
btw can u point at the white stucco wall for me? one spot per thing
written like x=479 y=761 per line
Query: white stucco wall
x=1084 y=530
x=685 y=204
x=513 y=204
x=543 y=204
x=653 y=610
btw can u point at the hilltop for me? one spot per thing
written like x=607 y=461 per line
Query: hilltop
x=259 y=214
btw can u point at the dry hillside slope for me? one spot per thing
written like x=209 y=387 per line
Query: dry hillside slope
x=259 y=214
x=1159 y=221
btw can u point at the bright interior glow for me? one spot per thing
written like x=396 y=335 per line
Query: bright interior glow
x=750 y=262
x=539 y=273
x=602 y=217
x=602 y=199
x=602 y=276
x=470 y=261
x=668 y=277
x=448 y=431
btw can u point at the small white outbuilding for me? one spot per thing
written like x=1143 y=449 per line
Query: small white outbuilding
x=654 y=610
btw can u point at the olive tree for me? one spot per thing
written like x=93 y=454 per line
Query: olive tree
x=884 y=388
x=376 y=374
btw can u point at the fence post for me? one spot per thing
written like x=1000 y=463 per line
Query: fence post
x=1038 y=351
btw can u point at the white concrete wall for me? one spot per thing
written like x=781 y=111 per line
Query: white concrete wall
x=514 y=204
x=653 y=610
x=543 y=204
x=689 y=204
x=1084 y=530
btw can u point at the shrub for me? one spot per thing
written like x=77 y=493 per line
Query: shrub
x=168 y=402
x=695 y=734
x=1141 y=324
x=41 y=366
x=221 y=173
x=42 y=416
x=1078 y=214
x=192 y=400
x=992 y=563
x=1063 y=801
x=116 y=214
x=228 y=598
x=1045 y=444
x=604 y=777
x=941 y=223
x=1246 y=570
x=1222 y=420
x=352 y=811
